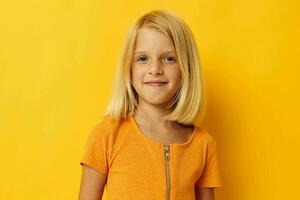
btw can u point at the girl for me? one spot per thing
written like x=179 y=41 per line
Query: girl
x=147 y=145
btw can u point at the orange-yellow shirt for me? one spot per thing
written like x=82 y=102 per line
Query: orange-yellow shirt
x=138 y=167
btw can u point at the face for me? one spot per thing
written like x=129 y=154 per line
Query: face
x=155 y=59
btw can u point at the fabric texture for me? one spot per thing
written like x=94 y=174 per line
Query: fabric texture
x=135 y=165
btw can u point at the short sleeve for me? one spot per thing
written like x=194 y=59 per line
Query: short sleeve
x=96 y=148
x=210 y=176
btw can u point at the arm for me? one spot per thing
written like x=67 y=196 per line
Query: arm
x=92 y=184
x=204 y=193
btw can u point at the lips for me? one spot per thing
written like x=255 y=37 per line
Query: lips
x=157 y=82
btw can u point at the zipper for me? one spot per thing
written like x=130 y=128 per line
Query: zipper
x=167 y=167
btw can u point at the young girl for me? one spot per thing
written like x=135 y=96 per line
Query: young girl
x=147 y=146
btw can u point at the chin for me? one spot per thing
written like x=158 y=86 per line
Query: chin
x=156 y=101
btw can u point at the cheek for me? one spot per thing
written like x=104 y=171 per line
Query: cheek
x=137 y=74
x=176 y=76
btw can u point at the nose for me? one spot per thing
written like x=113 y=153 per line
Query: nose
x=155 y=67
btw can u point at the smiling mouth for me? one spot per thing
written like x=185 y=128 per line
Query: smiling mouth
x=156 y=83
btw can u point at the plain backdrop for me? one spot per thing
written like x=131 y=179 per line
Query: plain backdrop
x=57 y=64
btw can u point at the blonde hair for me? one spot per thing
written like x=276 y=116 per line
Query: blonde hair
x=188 y=105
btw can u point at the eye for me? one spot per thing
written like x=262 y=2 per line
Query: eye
x=169 y=59
x=141 y=59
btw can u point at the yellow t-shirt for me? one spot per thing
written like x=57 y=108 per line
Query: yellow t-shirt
x=138 y=167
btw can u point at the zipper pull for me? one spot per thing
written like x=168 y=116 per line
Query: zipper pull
x=167 y=151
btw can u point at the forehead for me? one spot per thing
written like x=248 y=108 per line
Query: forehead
x=151 y=40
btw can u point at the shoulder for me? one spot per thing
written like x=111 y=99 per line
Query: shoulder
x=104 y=123
x=104 y=126
x=206 y=138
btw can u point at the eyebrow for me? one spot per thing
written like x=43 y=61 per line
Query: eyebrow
x=166 y=52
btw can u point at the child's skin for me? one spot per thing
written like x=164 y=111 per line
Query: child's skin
x=154 y=59
x=152 y=62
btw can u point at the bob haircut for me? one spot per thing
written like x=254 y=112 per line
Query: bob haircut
x=187 y=106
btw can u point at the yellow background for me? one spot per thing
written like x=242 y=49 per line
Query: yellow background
x=57 y=63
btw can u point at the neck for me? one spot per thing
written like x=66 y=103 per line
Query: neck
x=149 y=114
